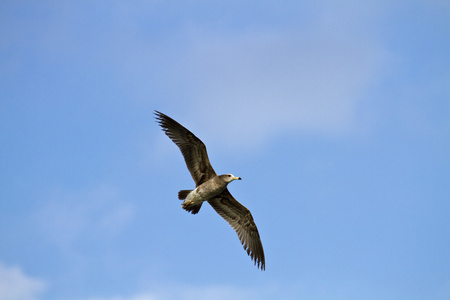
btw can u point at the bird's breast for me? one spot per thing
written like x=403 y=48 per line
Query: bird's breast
x=209 y=190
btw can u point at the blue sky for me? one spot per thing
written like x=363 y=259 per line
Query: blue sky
x=336 y=116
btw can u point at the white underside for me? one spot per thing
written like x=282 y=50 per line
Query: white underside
x=193 y=198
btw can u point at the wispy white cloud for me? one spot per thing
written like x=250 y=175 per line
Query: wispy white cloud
x=244 y=87
x=15 y=285
x=259 y=84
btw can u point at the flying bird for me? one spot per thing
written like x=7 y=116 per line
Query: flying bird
x=212 y=188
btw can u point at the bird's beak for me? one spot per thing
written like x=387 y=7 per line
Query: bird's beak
x=237 y=178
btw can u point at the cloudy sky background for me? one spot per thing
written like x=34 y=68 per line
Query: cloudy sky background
x=336 y=116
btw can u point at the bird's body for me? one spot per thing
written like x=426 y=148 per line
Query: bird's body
x=208 y=190
x=212 y=188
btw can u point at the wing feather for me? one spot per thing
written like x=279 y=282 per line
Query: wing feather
x=240 y=218
x=192 y=148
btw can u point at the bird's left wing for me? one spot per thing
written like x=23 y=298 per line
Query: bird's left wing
x=192 y=148
x=240 y=218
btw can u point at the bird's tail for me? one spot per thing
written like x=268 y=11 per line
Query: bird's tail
x=183 y=194
x=188 y=204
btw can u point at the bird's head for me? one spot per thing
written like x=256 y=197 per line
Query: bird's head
x=229 y=178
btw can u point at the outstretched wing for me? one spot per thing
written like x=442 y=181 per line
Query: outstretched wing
x=192 y=148
x=240 y=218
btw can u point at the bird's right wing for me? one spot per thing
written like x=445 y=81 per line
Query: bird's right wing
x=192 y=148
x=240 y=218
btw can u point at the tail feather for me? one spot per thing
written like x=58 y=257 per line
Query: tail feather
x=183 y=194
x=188 y=204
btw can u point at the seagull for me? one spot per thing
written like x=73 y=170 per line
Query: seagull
x=212 y=188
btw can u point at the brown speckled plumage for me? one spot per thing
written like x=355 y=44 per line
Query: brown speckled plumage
x=197 y=161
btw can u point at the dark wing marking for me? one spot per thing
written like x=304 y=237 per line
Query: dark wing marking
x=240 y=218
x=192 y=148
